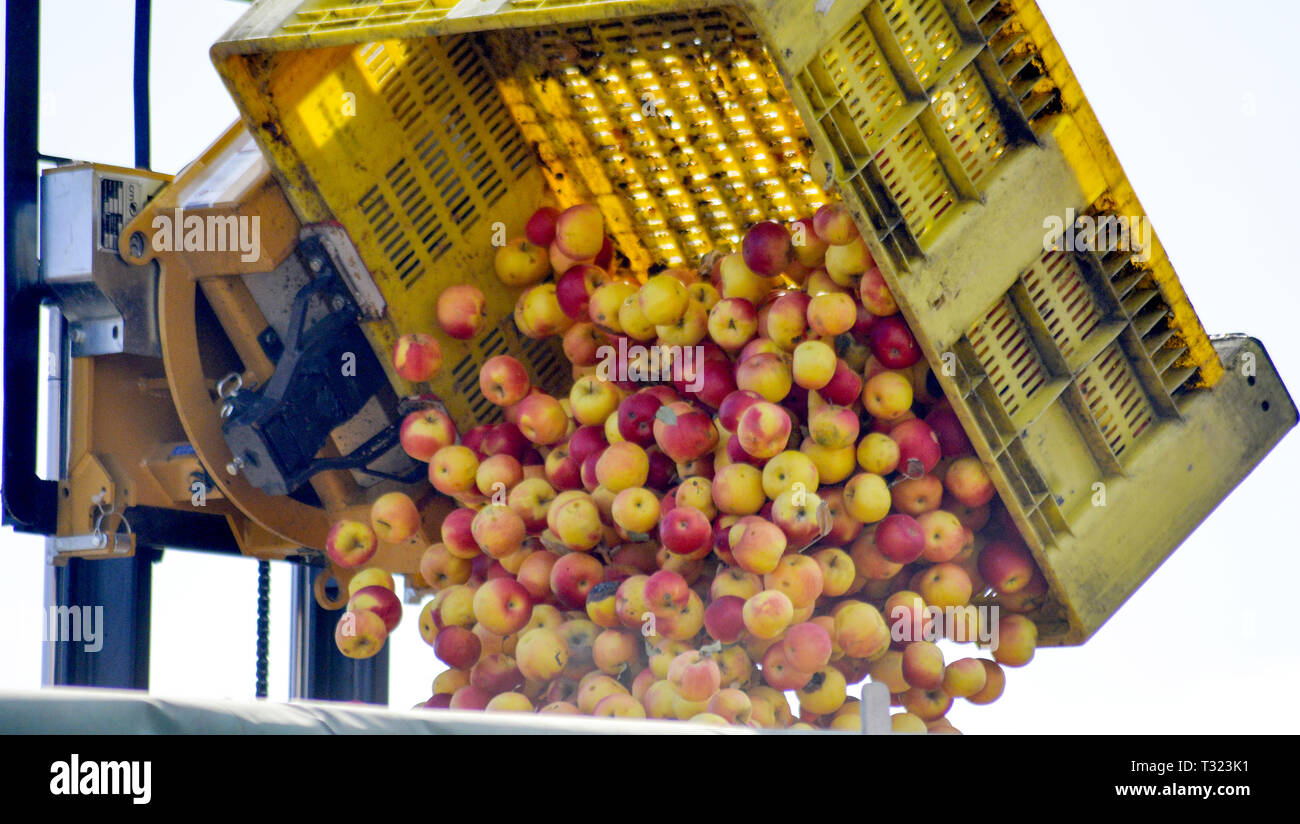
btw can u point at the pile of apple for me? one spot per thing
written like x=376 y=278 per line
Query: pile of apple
x=754 y=520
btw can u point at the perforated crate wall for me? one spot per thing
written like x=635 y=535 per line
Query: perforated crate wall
x=678 y=125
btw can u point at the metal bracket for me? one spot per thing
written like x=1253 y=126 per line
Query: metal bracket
x=274 y=433
x=333 y=239
x=96 y=336
x=98 y=542
x=110 y=305
x=362 y=456
x=57 y=546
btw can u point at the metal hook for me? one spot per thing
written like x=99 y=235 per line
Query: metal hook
x=99 y=537
x=235 y=378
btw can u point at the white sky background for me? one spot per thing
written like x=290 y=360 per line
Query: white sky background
x=1200 y=106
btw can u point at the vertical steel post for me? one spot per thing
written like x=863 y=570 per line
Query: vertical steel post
x=319 y=671
x=29 y=503
x=140 y=83
x=111 y=599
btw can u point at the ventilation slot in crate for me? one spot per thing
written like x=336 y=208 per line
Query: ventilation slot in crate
x=926 y=35
x=388 y=230
x=1120 y=240
x=465 y=377
x=683 y=117
x=462 y=154
x=393 y=12
x=547 y=362
x=1116 y=399
x=377 y=63
x=1064 y=301
x=851 y=80
x=980 y=10
x=1006 y=353
x=1019 y=60
x=967 y=115
x=911 y=172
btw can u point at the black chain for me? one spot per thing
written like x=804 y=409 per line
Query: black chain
x=263 y=622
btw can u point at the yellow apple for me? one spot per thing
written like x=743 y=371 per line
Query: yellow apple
x=867 y=498
x=782 y=472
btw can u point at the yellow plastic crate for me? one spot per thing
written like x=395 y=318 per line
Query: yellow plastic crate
x=951 y=129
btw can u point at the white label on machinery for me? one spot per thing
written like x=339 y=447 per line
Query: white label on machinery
x=119 y=201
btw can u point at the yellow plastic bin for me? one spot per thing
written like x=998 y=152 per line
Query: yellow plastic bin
x=954 y=131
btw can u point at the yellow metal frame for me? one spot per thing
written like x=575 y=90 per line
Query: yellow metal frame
x=267 y=526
